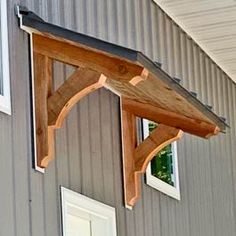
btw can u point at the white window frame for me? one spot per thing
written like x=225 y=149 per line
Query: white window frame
x=82 y=203
x=172 y=191
x=5 y=100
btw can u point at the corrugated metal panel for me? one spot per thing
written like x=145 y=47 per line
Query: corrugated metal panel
x=88 y=146
x=212 y=24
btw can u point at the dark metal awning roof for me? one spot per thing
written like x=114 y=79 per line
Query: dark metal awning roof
x=147 y=90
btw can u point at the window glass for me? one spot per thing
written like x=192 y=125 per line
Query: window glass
x=162 y=163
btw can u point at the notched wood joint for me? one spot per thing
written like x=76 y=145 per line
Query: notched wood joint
x=142 y=77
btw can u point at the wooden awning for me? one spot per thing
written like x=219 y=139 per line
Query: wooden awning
x=145 y=90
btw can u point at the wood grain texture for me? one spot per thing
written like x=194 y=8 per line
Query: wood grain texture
x=136 y=158
x=160 y=115
x=128 y=121
x=161 y=137
x=79 y=55
x=42 y=78
x=78 y=85
x=51 y=108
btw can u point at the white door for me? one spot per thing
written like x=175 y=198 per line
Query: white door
x=83 y=216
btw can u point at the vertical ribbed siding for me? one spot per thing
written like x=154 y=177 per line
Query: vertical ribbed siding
x=88 y=146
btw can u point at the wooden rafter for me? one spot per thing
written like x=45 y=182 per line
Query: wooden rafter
x=137 y=157
x=169 y=118
x=80 y=56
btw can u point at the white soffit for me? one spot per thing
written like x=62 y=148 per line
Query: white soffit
x=212 y=24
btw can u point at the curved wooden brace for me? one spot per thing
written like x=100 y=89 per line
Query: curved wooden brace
x=78 y=85
x=136 y=158
x=161 y=137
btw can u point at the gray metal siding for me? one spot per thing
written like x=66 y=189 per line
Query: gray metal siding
x=88 y=146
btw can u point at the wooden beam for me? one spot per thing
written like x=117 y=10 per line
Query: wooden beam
x=79 y=84
x=159 y=115
x=42 y=89
x=78 y=55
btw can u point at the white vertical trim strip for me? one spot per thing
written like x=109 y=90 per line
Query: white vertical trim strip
x=5 y=99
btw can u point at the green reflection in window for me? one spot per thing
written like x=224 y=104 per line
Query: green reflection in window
x=162 y=163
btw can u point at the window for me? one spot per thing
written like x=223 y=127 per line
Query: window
x=162 y=173
x=4 y=61
x=83 y=216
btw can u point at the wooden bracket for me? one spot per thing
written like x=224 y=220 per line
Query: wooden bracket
x=137 y=157
x=51 y=108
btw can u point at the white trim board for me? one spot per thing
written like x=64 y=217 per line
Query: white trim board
x=5 y=100
x=101 y=217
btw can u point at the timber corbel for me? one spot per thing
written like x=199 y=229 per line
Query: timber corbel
x=51 y=108
x=137 y=157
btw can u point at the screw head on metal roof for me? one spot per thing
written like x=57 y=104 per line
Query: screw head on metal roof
x=209 y=107
x=157 y=63
x=193 y=93
x=223 y=118
x=177 y=80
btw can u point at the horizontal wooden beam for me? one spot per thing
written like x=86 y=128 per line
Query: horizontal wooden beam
x=159 y=115
x=78 y=55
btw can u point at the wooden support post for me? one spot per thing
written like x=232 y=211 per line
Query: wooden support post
x=42 y=85
x=129 y=143
x=136 y=158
